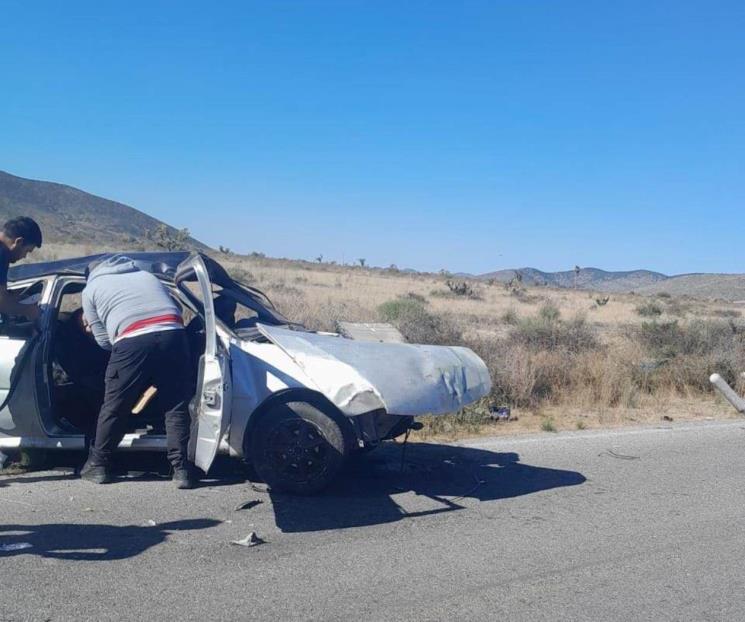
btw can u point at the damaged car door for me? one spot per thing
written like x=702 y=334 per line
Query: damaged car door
x=211 y=402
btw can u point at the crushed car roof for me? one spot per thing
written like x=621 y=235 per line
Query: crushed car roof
x=158 y=263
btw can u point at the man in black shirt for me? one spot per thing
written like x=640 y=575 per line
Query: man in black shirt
x=18 y=237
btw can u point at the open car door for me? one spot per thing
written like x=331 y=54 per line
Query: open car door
x=212 y=400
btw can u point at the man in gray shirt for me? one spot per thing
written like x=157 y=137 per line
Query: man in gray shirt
x=130 y=312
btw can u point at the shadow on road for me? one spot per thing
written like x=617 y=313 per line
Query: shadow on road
x=89 y=542
x=445 y=474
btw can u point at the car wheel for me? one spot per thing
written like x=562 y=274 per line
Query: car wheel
x=298 y=448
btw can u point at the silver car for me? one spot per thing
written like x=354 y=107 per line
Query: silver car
x=292 y=402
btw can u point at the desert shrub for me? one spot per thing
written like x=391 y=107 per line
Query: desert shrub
x=547 y=331
x=677 y=307
x=664 y=295
x=649 y=309
x=522 y=296
x=415 y=297
x=242 y=275
x=281 y=287
x=687 y=354
x=699 y=337
x=549 y=313
x=726 y=313
x=509 y=317
x=463 y=289
x=321 y=315
x=661 y=339
x=417 y=324
x=548 y=425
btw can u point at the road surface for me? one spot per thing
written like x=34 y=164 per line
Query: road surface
x=642 y=524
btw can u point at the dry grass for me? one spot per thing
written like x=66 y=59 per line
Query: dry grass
x=557 y=357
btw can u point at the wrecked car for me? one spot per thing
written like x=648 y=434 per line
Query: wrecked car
x=292 y=402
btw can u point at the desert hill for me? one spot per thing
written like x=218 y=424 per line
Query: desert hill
x=71 y=216
x=587 y=278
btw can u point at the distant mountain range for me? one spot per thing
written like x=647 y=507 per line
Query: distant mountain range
x=730 y=287
x=69 y=215
x=585 y=278
x=72 y=216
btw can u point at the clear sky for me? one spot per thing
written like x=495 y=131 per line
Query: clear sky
x=459 y=134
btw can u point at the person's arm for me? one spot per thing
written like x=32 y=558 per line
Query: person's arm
x=10 y=306
x=94 y=323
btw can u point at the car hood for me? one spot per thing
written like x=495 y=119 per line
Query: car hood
x=403 y=379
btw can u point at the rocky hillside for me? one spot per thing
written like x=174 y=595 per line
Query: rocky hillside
x=70 y=216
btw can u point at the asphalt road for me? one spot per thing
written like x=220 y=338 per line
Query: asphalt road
x=640 y=524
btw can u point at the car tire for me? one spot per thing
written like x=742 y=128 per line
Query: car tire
x=298 y=448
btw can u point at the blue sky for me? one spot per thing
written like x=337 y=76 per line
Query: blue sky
x=467 y=135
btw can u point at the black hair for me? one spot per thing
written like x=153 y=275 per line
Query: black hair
x=23 y=227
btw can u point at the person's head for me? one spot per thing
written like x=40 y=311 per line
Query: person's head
x=21 y=236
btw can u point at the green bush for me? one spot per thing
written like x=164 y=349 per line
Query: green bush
x=687 y=354
x=549 y=312
x=242 y=275
x=509 y=317
x=547 y=331
x=417 y=324
x=699 y=337
x=649 y=309
x=726 y=313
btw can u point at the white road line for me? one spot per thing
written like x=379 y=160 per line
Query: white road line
x=592 y=434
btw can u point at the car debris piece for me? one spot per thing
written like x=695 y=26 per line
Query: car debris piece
x=16 y=546
x=150 y=523
x=613 y=454
x=501 y=413
x=247 y=505
x=250 y=540
x=380 y=332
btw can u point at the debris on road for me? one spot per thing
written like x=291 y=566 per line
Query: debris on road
x=613 y=454
x=501 y=413
x=17 y=546
x=247 y=505
x=250 y=540
x=150 y=523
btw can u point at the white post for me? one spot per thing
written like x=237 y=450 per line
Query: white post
x=728 y=392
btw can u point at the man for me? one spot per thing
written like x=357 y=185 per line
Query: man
x=132 y=314
x=19 y=237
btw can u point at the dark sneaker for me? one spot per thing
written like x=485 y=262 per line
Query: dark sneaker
x=184 y=478
x=97 y=474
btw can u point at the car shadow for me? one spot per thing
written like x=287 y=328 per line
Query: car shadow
x=446 y=475
x=89 y=542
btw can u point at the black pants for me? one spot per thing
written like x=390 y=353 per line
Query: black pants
x=159 y=359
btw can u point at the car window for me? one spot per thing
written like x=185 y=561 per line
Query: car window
x=19 y=326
